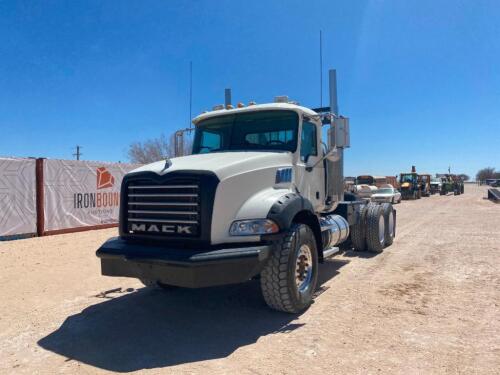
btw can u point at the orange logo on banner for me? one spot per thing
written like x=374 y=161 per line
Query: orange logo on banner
x=104 y=178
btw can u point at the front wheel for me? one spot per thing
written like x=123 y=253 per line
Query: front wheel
x=289 y=279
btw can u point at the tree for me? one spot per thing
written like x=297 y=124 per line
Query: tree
x=155 y=149
x=486 y=173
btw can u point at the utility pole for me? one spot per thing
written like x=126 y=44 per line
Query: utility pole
x=78 y=153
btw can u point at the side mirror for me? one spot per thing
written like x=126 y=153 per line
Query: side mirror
x=331 y=155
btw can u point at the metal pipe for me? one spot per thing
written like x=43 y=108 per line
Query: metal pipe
x=335 y=169
x=227 y=97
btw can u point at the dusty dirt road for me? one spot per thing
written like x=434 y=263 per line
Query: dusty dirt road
x=428 y=304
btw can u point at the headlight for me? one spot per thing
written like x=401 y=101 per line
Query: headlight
x=253 y=227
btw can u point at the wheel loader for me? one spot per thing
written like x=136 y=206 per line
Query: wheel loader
x=409 y=185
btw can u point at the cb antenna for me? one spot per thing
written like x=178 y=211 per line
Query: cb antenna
x=190 y=92
x=320 y=69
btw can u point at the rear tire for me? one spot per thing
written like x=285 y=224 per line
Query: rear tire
x=289 y=279
x=375 y=229
x=358 y=231
x=390 y=224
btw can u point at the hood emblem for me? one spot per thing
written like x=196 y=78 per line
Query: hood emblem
x=167 y=165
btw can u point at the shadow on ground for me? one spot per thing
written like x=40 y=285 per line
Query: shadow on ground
x=359 y=254
x=151 y=328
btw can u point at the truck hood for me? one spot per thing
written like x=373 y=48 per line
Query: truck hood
x=223 y=164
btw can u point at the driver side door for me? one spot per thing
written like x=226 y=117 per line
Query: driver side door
x=311 y=184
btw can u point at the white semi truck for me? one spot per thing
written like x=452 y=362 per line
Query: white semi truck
x=261 y=196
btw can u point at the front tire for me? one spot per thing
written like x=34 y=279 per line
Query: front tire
x=289 y=279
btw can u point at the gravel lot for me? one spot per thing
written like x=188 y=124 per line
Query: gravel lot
x=428 y=304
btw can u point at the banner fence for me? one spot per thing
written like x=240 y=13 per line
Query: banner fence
x=50 y=196
x=17 y=197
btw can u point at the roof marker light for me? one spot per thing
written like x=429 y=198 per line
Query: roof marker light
x=218 y=107
x=281 y=99
x=229 y=106
x=240 y=105
x=252 y=103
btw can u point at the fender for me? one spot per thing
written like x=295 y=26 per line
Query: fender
x=286 y=207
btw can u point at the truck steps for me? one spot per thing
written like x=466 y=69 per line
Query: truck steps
x=328 y=253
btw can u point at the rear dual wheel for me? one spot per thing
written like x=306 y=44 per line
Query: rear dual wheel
x=376 y=228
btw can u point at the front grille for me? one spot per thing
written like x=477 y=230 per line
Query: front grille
x=169 y=208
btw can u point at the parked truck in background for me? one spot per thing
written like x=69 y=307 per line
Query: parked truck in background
x=258 y=198
x=393 y=181
x=435 y=185
x=451 y=184
x=424 y=181
x=367 y=185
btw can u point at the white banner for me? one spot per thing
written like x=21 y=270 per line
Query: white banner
x=82 y=193
x=17 y=196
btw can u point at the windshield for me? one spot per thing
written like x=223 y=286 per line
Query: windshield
x=408 y=177
x=263 y=130
x=384 y=191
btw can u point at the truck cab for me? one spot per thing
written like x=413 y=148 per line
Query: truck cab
x=260 y=197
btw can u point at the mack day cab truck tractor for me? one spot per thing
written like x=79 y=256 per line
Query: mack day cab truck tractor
x=261 y=196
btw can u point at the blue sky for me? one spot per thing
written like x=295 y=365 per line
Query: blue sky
x=420 y=80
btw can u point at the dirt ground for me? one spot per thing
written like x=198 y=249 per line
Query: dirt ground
x=429 y=304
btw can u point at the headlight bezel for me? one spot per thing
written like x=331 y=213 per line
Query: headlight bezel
x=253 y=227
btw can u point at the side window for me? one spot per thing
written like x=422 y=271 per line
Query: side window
x=308 y=141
